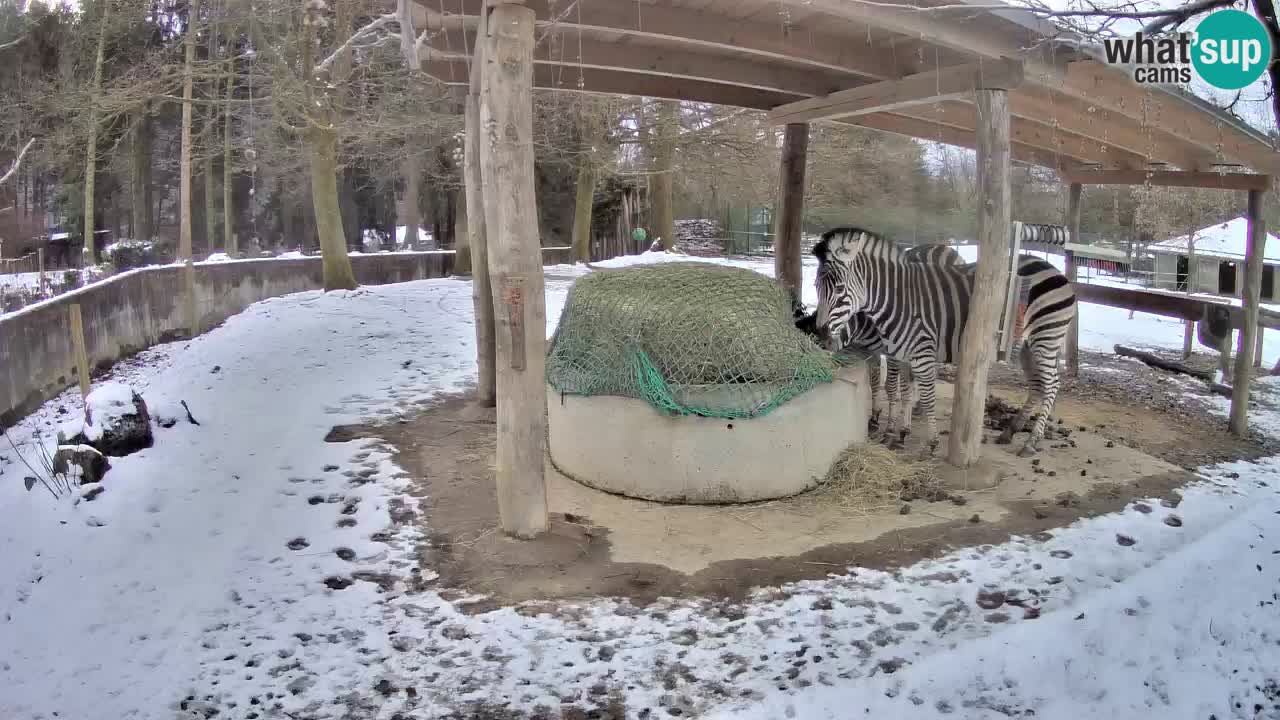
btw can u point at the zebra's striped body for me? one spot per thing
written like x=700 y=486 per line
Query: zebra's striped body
x=919 y=311
x=860 y=333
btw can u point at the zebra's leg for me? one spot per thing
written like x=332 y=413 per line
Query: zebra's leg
x=924 y=367
x=1033 y=400
x=906 y=400
x=1049 y=381
x=878 y=400
x=892 y=381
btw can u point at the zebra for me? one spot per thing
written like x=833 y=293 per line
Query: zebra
x=860 y=333
x=920 y=310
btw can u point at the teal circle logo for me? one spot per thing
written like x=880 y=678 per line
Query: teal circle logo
x=1232 y=49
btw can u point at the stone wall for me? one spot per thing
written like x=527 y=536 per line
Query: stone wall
x=140 y=308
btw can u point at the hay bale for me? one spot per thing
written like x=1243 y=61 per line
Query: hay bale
x=864 y=478
x=690 y=338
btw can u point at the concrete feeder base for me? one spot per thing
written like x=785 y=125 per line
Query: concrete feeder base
x=623 y=445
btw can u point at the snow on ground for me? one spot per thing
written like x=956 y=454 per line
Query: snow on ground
x=211 y=572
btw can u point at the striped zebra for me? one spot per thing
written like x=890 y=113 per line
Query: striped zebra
x=919 y=310
x=860 y=333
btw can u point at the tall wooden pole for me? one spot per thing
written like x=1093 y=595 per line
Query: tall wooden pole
x=515 y=265
x=977 y=343
x=1073 y=236
x=1249 y=295
x=477 y=255
x=786 y=241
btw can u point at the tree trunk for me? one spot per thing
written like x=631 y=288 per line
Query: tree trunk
x=583 y=202
x=184 y=160
x=140 y=156
x=91 y=147
x=663 y=220
x=228 y=210
x=322 y=150
x=322 y=146
x=210 y=194
x=408 y=212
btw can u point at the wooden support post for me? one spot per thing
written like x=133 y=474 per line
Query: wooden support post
x=80 y=351
x=515 y=263
x=1249 y=294
x=1257 y=348
x=977 y=343
x=40 y=265
x=786 y=243
x=1073 y=237
x=477 y=244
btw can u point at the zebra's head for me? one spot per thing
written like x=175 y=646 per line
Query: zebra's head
x=841 y=291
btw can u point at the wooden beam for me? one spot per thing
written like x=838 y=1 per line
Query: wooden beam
x=1110 y=88
x=1171 y=178
x=511 y=223
x=1073 y=233
x=615 y=82
x=893 y=95
x=962 y=137
x=1033 y=133
x=787 y=257
x=1072 y=115
x=689 y=27
x=477 y=240
x=970 y=32
x=976 y=346
x=1249 y=295
x=695 y=63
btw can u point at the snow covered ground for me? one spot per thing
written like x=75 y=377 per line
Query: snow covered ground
x=239 y=565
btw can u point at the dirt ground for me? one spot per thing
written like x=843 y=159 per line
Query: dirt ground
x=1123 y=441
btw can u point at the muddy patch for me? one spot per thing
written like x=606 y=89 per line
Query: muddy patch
x=604 y=545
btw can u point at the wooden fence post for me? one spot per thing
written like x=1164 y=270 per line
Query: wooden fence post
x=1073 y=236
x=79 y=351
x=1249 y=294
x=477 y=239
x=40 y=264
x=977 y=343
x=505 y=131
x=787 y=260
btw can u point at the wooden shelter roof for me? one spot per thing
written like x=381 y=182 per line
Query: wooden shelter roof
x=892 y=67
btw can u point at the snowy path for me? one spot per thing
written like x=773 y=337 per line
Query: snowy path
x=189 y=578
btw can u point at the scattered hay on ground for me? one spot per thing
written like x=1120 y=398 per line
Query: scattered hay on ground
x=871 y=477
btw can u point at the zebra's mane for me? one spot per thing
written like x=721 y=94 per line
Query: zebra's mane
x=876 y=244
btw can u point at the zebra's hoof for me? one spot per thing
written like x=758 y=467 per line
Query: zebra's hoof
x=1006 y=436
x=1028 y=450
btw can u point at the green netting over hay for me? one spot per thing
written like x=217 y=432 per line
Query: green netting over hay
x=690 y=338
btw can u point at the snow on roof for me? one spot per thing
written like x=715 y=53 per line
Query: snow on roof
x=1227 y=240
